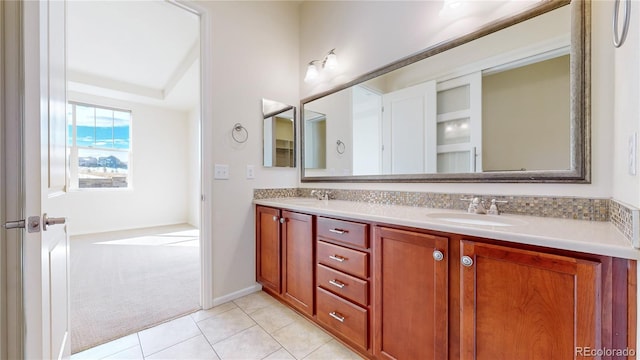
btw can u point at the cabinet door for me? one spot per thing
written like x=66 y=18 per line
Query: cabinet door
x=298 y=264
x=268 y=248
x=410 y=295
x=519 y=304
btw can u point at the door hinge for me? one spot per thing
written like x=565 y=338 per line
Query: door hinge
x=32 y=224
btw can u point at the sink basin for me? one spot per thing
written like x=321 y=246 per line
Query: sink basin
x=475 y=219
x=304 y=201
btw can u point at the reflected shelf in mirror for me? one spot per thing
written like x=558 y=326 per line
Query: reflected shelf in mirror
x=279 y=134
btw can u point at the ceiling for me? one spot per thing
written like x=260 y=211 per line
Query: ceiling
x=140 y=51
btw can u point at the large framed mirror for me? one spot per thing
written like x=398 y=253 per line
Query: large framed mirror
x=279 y=134
x=506 y=103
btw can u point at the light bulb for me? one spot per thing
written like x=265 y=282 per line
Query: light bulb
x=331 y=62
x=312 y=72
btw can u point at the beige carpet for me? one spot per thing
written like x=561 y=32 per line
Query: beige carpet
x=124 y=282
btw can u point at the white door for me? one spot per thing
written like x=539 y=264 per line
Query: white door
x=408 y=145
x=46 y=267
x=367 y=131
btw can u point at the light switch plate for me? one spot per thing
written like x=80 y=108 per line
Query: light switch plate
x=251 y=172
x=221 y=172
x=633 y=148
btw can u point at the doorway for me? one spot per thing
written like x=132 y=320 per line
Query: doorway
x=30 y=294
x=134 y=192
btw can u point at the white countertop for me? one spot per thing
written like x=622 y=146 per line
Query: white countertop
x=595 y=237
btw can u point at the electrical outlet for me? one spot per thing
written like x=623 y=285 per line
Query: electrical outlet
x=221 y=172
x=633 y=148
x=251 y=172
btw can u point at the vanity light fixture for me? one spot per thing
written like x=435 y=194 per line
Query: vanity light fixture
x=312 y=71
x=329 y=62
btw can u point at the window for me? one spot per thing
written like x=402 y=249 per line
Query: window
x=99 y=143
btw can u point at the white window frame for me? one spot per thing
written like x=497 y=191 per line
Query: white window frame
x=74 y=180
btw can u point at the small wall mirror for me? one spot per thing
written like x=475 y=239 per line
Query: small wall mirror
x=279 y=134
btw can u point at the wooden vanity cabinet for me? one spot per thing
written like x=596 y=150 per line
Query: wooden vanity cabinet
x=343 y=280
x=411 y=294
x=480 y=299
x=284 y=256
x=268 y=250
x=392 y=292
x=521 y=304
x=297 y=261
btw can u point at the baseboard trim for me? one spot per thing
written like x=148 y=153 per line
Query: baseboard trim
x=238 y=294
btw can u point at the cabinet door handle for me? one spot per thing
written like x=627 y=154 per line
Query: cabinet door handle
x=466 y=261
x=282 y=220
x=438 y=255
x=338 y=231
x=336 y=283
x=337 y=258
x=275 y=218
x=336 y=316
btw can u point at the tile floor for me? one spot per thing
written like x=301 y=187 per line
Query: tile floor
x=252 y=327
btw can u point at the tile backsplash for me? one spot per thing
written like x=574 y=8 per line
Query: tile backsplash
x=624 y=218
x=275 y=193
x=560 y=207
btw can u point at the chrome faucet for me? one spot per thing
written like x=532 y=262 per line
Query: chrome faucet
x=321 y=194
x=476 y=206
x=493 y=209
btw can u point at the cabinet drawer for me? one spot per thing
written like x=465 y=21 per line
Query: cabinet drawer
x=345 y=318
x=344 y=285
x=350 y=261
x=343 y=231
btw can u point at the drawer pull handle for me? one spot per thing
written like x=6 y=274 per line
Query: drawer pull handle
x=337 y=258
x=337 y=316
x=338 y=231
x=336 y=283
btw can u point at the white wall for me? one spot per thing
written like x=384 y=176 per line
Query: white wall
x=362 y=46
x=159 y=195
x=338 y=108
x=255 y=56
x=626 y=116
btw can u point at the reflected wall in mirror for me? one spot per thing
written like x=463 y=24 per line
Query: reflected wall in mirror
x=279 y=134
x=507 y=106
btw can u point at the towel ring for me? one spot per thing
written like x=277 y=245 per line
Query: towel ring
x=618 y=39
x=239 y=133
x=340 y=147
